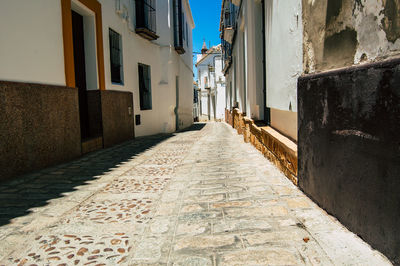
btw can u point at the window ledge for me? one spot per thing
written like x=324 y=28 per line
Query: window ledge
x=180 y=49
x=147 y=34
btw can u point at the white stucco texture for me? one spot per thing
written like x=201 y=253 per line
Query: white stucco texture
x=164 y=62
x=31 y=42
x=284 y=53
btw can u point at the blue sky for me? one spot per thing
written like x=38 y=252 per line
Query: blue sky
x=206 y=15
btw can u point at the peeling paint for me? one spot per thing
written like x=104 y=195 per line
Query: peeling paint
x=375 y=23
x=373 y=40
x=340 y=48
x=391 y=21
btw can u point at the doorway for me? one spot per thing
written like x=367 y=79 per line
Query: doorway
x=89 y=96
x=80 y=72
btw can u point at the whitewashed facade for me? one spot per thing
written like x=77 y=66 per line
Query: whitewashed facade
x=33 y=50
x=262 y=48
x=211 y=83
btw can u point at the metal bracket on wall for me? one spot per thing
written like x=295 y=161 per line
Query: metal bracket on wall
x=137 y=120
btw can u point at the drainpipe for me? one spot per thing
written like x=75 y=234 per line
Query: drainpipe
x=267 y=111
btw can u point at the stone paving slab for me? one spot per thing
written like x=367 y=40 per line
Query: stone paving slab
x=198 y=197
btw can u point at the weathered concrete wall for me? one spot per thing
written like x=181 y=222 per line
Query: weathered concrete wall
x=339 y=33
x=117 y=119
x=349 y=149
x=39 y=127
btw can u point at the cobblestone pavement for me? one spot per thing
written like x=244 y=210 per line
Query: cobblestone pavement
x=199 y=197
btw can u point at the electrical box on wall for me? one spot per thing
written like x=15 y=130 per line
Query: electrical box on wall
x=137 y=120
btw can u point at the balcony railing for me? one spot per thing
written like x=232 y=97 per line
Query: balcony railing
x=146 y=19
x=227 y=55
x=229 y=22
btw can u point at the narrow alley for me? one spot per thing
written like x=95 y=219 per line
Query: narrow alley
x=197 y=197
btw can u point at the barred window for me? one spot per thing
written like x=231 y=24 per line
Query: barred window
x=116 y=57
x=179 y=27
x=146 y=14
x=145 y=87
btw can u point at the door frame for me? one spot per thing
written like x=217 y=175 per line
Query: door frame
x=177 y=103
x=94 y=6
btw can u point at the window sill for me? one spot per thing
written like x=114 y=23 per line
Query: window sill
x=180 y=49
x=147 y=34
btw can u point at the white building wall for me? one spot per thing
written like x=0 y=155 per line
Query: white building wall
x=165 y=65
x=284 y=57
x=284 y=54
x=228 y=91
x=283 y=45
x=204 y=104
x=220 y=93
x=254 y=81
x=31 y=41
x=202 y=74
x=241 y=68
x=213 y=105
x=186 y=96
x=31 y=50
x=220 y=101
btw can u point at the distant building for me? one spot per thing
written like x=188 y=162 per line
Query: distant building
x=196 y=102
x=211 y=83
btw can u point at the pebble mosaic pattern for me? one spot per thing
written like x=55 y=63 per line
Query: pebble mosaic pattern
x=172 y=160
x=108 y=211
x=149 y=178
x=151 y=171
x=179 y=153
x=78 y=250
x=199 y=198
x=137 y=186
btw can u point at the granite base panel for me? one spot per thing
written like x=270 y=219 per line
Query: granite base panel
x=39 y=127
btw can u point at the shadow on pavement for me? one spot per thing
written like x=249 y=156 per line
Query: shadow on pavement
x=34 y=190
x=194 y=127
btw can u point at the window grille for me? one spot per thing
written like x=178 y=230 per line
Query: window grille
x=178 y=26
x=145 y=87
x=146 y=19
x=116 y=57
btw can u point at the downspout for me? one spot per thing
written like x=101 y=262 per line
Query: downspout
x=267 y=111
